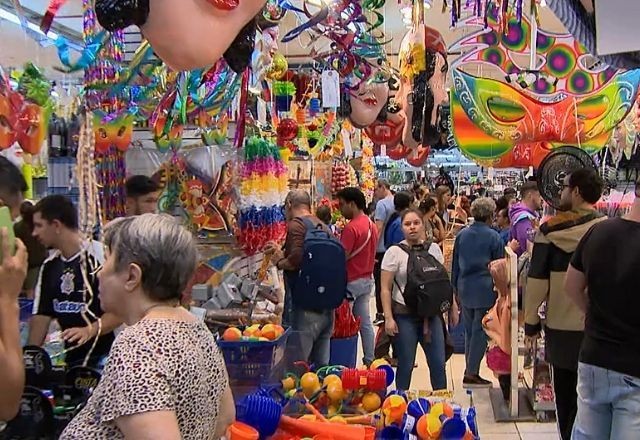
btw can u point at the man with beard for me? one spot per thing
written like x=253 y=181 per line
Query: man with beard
x=553 y=248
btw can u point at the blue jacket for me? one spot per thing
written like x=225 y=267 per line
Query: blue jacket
x=475 y=247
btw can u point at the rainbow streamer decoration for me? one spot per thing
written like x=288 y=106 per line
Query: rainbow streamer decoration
x=262 y=191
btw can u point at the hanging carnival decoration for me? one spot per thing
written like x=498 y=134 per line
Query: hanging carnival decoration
x=26 y=110
x=347 y=27
x=200 y=33
x=489 y=118
x=563 y=66
x=112 y=128
x=263 y=188
x=564 y=97
x=423 y=69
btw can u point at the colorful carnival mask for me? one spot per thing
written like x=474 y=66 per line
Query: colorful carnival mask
x=186 y=34
x=21 y=121
x=423 y=71
x=367 y=101
x=117 y=132
x=490 y=117
x=524 y=156
x=387 y=132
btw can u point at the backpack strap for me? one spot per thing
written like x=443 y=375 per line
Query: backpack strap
x=363 y=245
x=308 y=224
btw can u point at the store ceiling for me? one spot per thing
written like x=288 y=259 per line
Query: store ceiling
x=17 y=47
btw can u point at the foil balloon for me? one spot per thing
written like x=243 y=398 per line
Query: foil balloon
x=423 y=71
x=489 y=117
x=8 y=119
x=185 y=34
x=278 y=67
x=21 y=121
x=117 y=132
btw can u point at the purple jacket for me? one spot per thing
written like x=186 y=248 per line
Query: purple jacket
x=522 y=222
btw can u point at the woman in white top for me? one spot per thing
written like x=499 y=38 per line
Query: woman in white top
x=407 y=329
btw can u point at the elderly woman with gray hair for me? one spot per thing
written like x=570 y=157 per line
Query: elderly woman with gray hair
x=165 y=377
x=475 y=247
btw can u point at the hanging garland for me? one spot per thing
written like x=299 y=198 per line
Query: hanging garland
x=262 y=192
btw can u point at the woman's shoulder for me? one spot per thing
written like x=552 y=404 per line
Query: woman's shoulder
x=161 y=331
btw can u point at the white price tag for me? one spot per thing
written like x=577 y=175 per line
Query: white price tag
x=383 y=150
x=330 y=89
x=346 y=141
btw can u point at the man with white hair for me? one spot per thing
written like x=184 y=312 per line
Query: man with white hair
x=475 y=247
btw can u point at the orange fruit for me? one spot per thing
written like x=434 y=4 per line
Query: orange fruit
x=338 y=419
x=371 y=402
x=279 y=330
x=253 y=330
x=270 y=332
x=231 y=334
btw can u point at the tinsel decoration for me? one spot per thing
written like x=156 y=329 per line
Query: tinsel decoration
x=264 y=186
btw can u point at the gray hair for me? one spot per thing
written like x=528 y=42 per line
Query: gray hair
x=163 y=249
x=298 y=197
x=482 y=209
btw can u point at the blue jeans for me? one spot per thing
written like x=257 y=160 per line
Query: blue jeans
x=361 y=290
x=405 y=345
x=314 y=329
x=475 y=339
x=608 y=405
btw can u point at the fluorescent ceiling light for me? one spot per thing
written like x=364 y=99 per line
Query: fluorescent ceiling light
x=13 y=18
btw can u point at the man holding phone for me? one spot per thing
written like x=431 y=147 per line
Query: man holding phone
x=13 y=270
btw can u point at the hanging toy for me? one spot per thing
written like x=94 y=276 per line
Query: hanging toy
x=278 y=67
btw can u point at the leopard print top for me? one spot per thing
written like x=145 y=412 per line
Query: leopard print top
x=157 y=365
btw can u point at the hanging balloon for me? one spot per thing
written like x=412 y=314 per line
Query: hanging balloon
x=278 y=67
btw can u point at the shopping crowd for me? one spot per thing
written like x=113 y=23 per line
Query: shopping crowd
x=166 y=378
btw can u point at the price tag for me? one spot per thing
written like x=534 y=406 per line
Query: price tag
x=346 y=141
x=330 y=89
x=383 y=150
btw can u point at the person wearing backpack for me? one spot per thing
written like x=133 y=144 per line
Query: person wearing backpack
x=475 y=247
x=314 y=266
x=393 y=234
x=359 y=238
x=416 y=292
x=393 y=229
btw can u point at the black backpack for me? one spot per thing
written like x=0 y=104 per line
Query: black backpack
x=428 y=291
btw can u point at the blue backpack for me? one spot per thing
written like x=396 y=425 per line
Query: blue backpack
x=321 y=282
x=393 y=231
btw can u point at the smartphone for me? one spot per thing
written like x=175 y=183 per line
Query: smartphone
x=7 y=222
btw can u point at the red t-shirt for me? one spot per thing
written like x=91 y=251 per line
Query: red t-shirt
x=353 y=237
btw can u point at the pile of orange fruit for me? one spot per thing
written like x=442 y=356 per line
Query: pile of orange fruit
x=256 y=332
